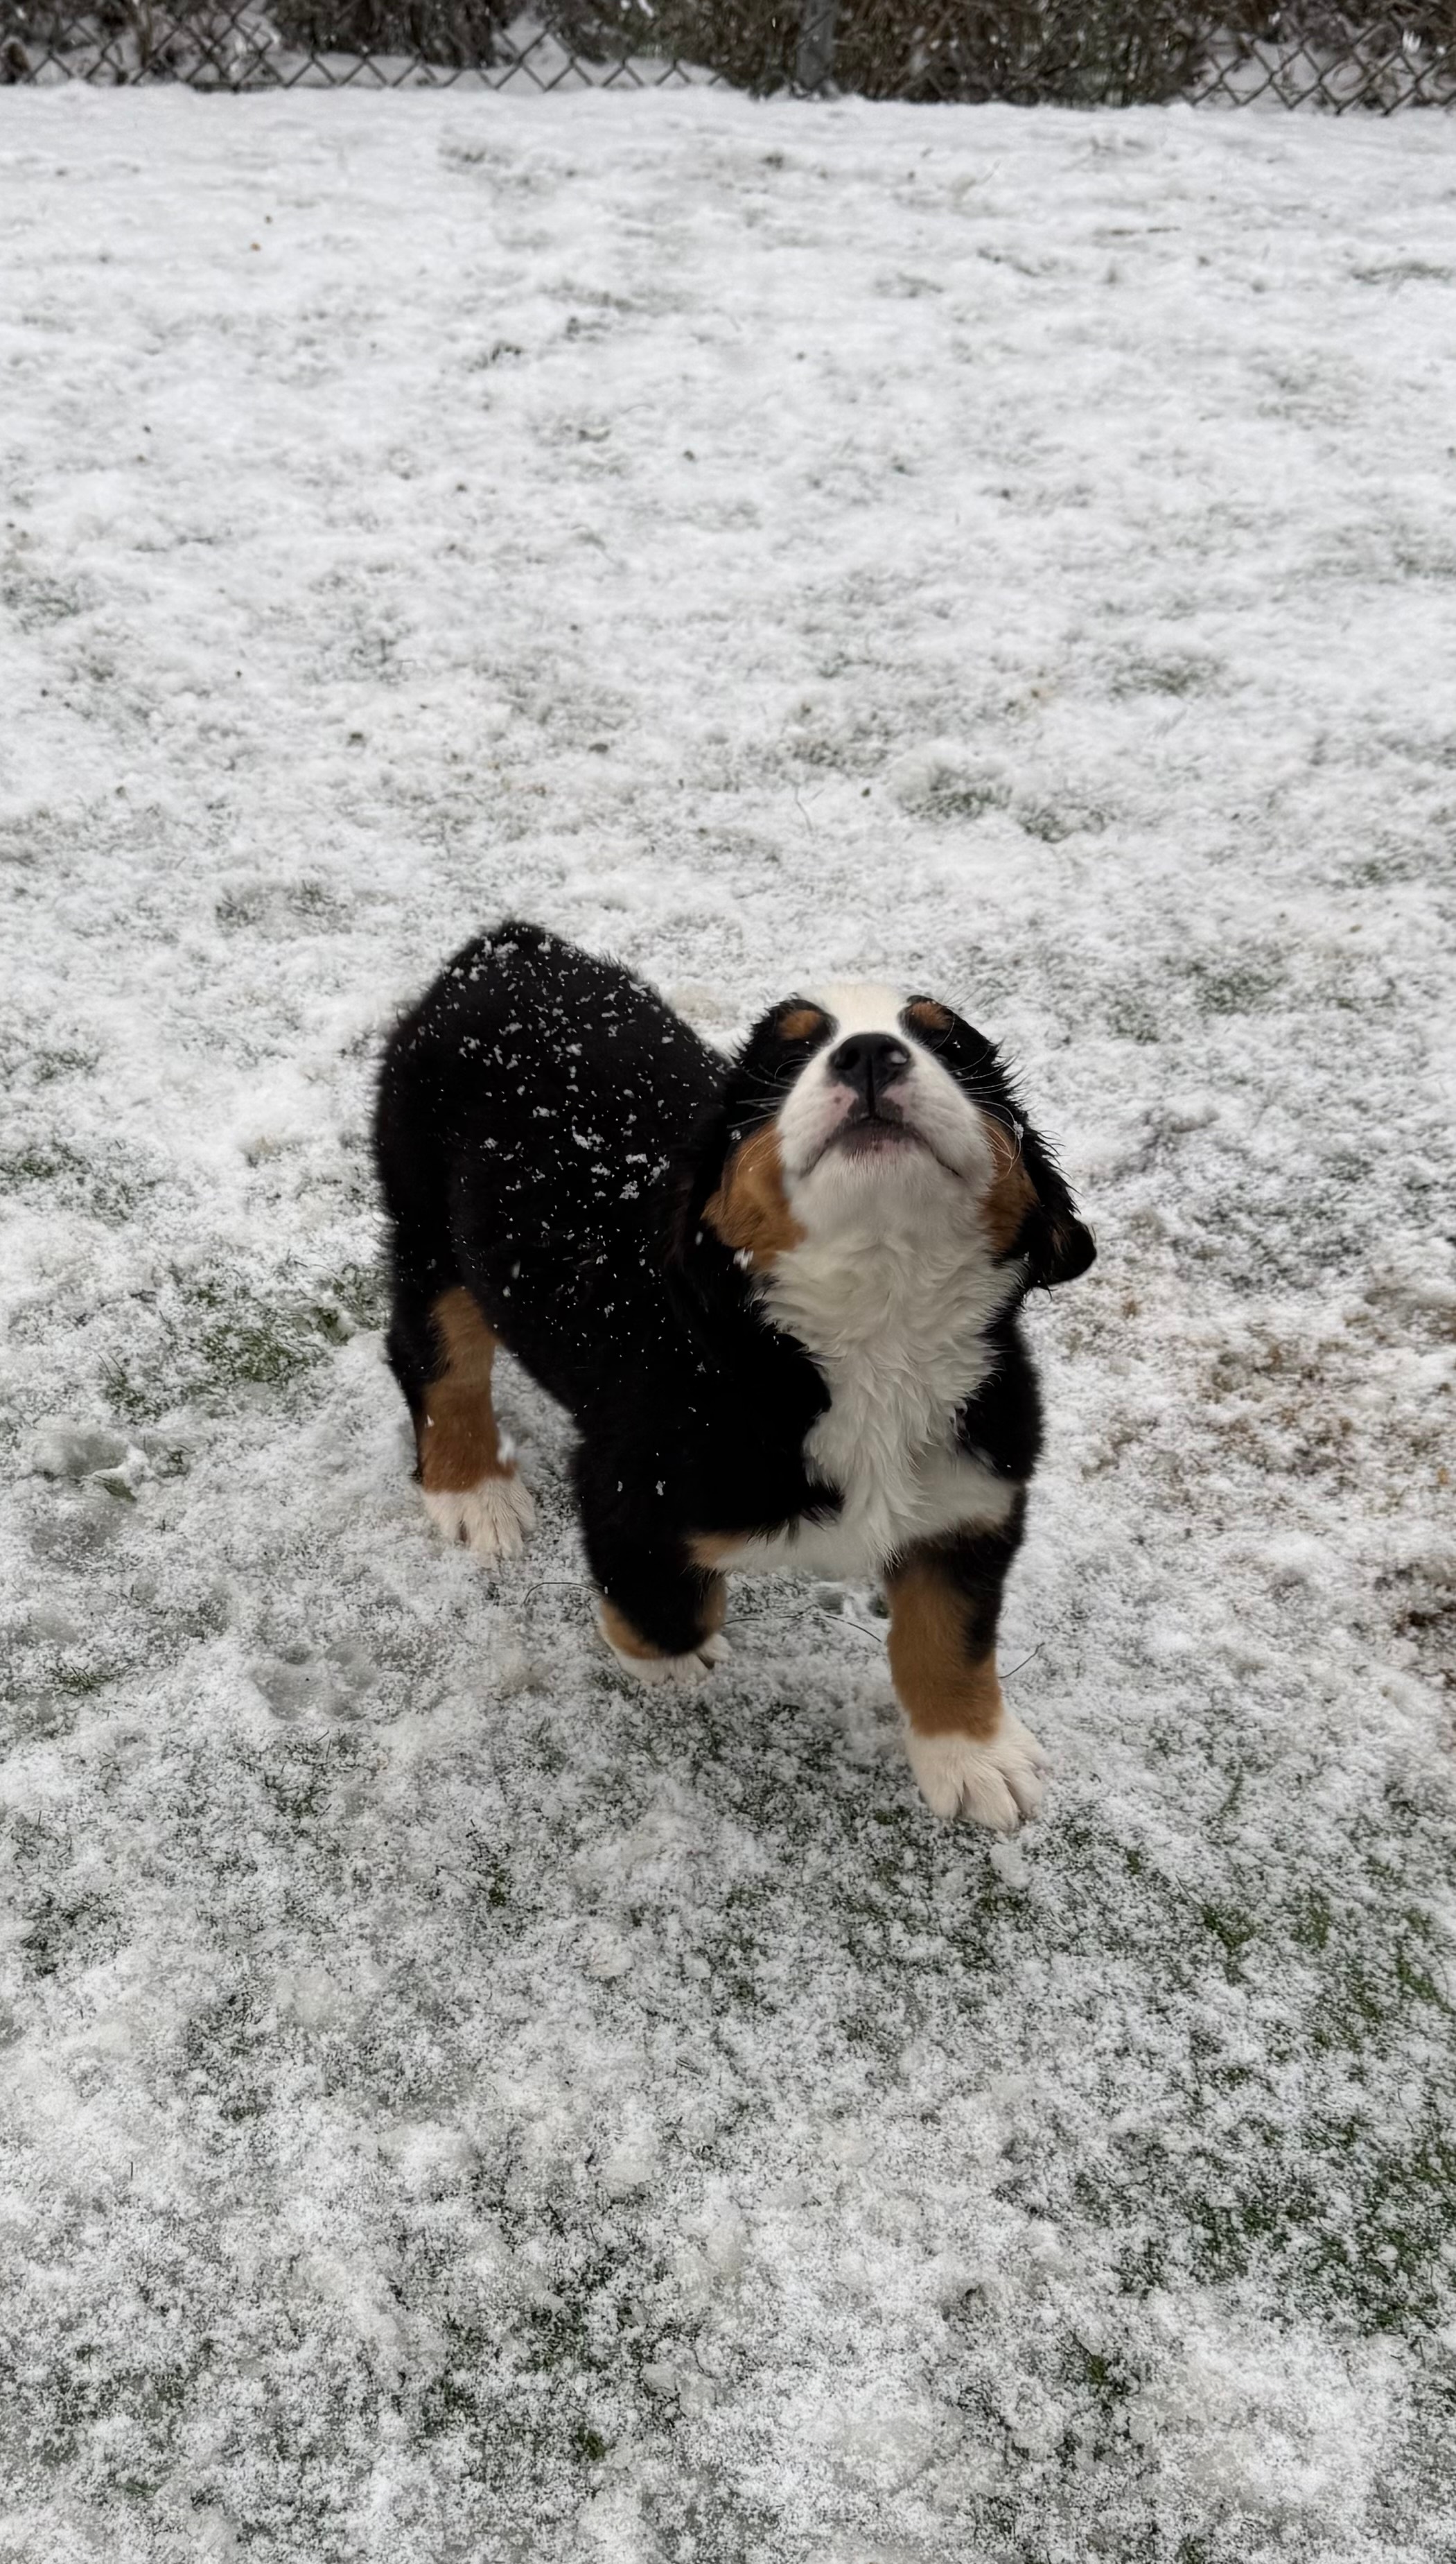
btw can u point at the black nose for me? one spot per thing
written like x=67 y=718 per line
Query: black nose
x=869 y=1062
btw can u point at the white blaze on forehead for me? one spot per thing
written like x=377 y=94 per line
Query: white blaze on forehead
x=861 y=1005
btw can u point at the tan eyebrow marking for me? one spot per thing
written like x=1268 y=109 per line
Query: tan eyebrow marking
x=930 y=1017
x=801 y=1022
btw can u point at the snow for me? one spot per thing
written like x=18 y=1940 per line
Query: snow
x=456 y=2103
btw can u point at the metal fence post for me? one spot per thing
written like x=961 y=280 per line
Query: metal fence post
x=815 y=59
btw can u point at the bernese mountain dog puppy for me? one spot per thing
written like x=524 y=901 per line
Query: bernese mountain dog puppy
x=778 y=1294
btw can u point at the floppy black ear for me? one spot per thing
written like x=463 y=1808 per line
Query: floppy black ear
x=1056 y=1245
x=705 y=1282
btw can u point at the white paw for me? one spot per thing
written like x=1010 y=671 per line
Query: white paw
x=685 y=1672
x=997 y=1778
x=492 y=1517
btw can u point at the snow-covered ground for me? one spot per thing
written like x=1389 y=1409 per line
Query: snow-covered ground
x=452 y=2107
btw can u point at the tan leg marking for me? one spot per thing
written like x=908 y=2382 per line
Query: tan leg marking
x=472 y=1491
x=618 y=1632
x=750 y=1210
x=459 y=1441
x=970 y=1756
x=641 y=1657
x=943 y=1690
x=713 y=1550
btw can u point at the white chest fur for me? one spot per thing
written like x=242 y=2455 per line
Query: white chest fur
x=897 y=1328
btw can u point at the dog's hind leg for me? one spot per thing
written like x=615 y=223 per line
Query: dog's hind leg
x=472 y=1491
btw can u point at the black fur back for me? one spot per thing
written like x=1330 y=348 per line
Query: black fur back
x=535 y=1112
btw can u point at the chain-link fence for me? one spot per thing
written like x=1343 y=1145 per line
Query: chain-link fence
x=1380 y=56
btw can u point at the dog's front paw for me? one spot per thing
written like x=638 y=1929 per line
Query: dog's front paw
x=996 y=1780
x=685 y=1672
x=492 y=1517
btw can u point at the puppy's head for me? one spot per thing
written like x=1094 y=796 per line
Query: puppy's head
x=859 y=1112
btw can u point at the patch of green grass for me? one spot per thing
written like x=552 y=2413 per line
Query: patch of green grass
x=209 y=1335
x=279 y=908
x=38 y=1161
x=1231 y=1933
x=361 y=1291
x=952 y=796
x=44 y=1065
x=1052 y=822
x=1350 y=2216
x=268 y=1349
x=1238 y=986
x=1378 y=872
x=223 y=2048
x=109 y=1187
x=1336 y=2192
x=82 y=1681
x=1135 y=1018
x=1104 y=2376
x=531 y=2395
x=35 y=600
x=62 y=1932
x=1169 y=672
